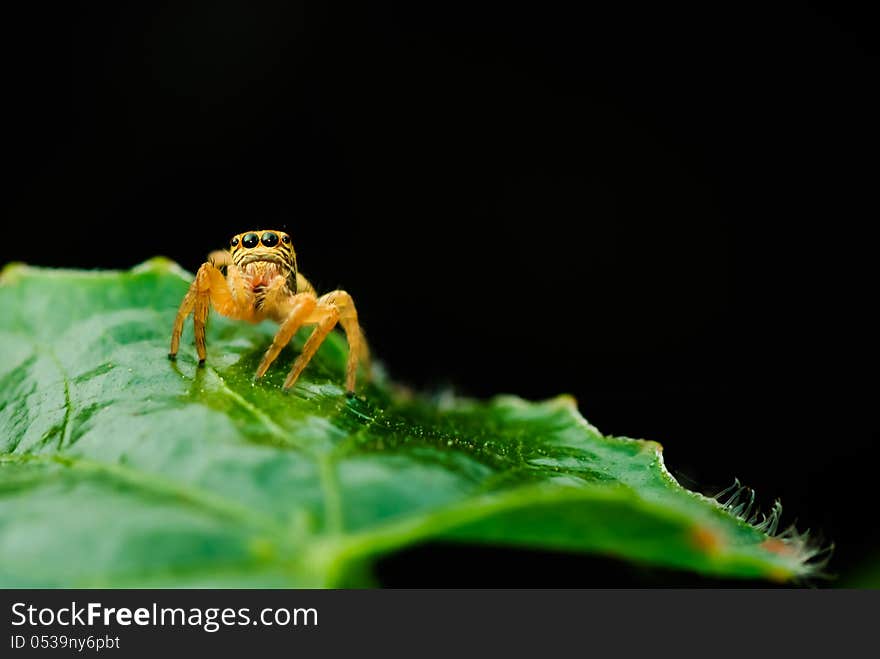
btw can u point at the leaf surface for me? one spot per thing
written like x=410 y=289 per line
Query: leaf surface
x=119 y=468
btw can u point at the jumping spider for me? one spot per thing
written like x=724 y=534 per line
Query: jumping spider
x=262 y=282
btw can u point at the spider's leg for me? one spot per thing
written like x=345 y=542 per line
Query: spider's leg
x=358 y=351
x=200 y=318
x=220 y=258
x=278 y=296
x=186 y=307
x=209 y=286
x=301 y=306
x=316 y=338
x=242 y=298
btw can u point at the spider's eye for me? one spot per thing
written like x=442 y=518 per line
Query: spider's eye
x=234 y=241
x=285 y=239
x=250 y=240
x=269 y=239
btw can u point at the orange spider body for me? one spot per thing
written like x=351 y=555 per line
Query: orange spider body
x=262 y=281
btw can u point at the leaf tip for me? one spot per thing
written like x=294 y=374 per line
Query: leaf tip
x=805 y=557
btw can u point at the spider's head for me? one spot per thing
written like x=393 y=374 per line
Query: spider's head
x=264 y=246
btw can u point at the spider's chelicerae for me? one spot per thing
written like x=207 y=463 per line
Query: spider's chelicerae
x=262 y=282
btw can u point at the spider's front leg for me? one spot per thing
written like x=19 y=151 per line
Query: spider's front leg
x=209 y=286
x=297 y=309
x=332 y=308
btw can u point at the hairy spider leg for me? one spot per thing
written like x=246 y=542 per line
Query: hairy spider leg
x=220 y=258
x=301 y=306
x=241 y=296
x=278 y=301
x=316 y=338
x=209 y=286
x=358 y=351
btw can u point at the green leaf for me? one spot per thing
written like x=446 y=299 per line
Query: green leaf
x=120 y=468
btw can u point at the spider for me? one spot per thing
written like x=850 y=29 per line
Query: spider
x=262 y=282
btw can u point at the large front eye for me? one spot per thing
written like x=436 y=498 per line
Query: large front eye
x=250 y=240
x=269 y=239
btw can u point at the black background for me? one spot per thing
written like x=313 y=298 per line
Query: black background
x=661 y=210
